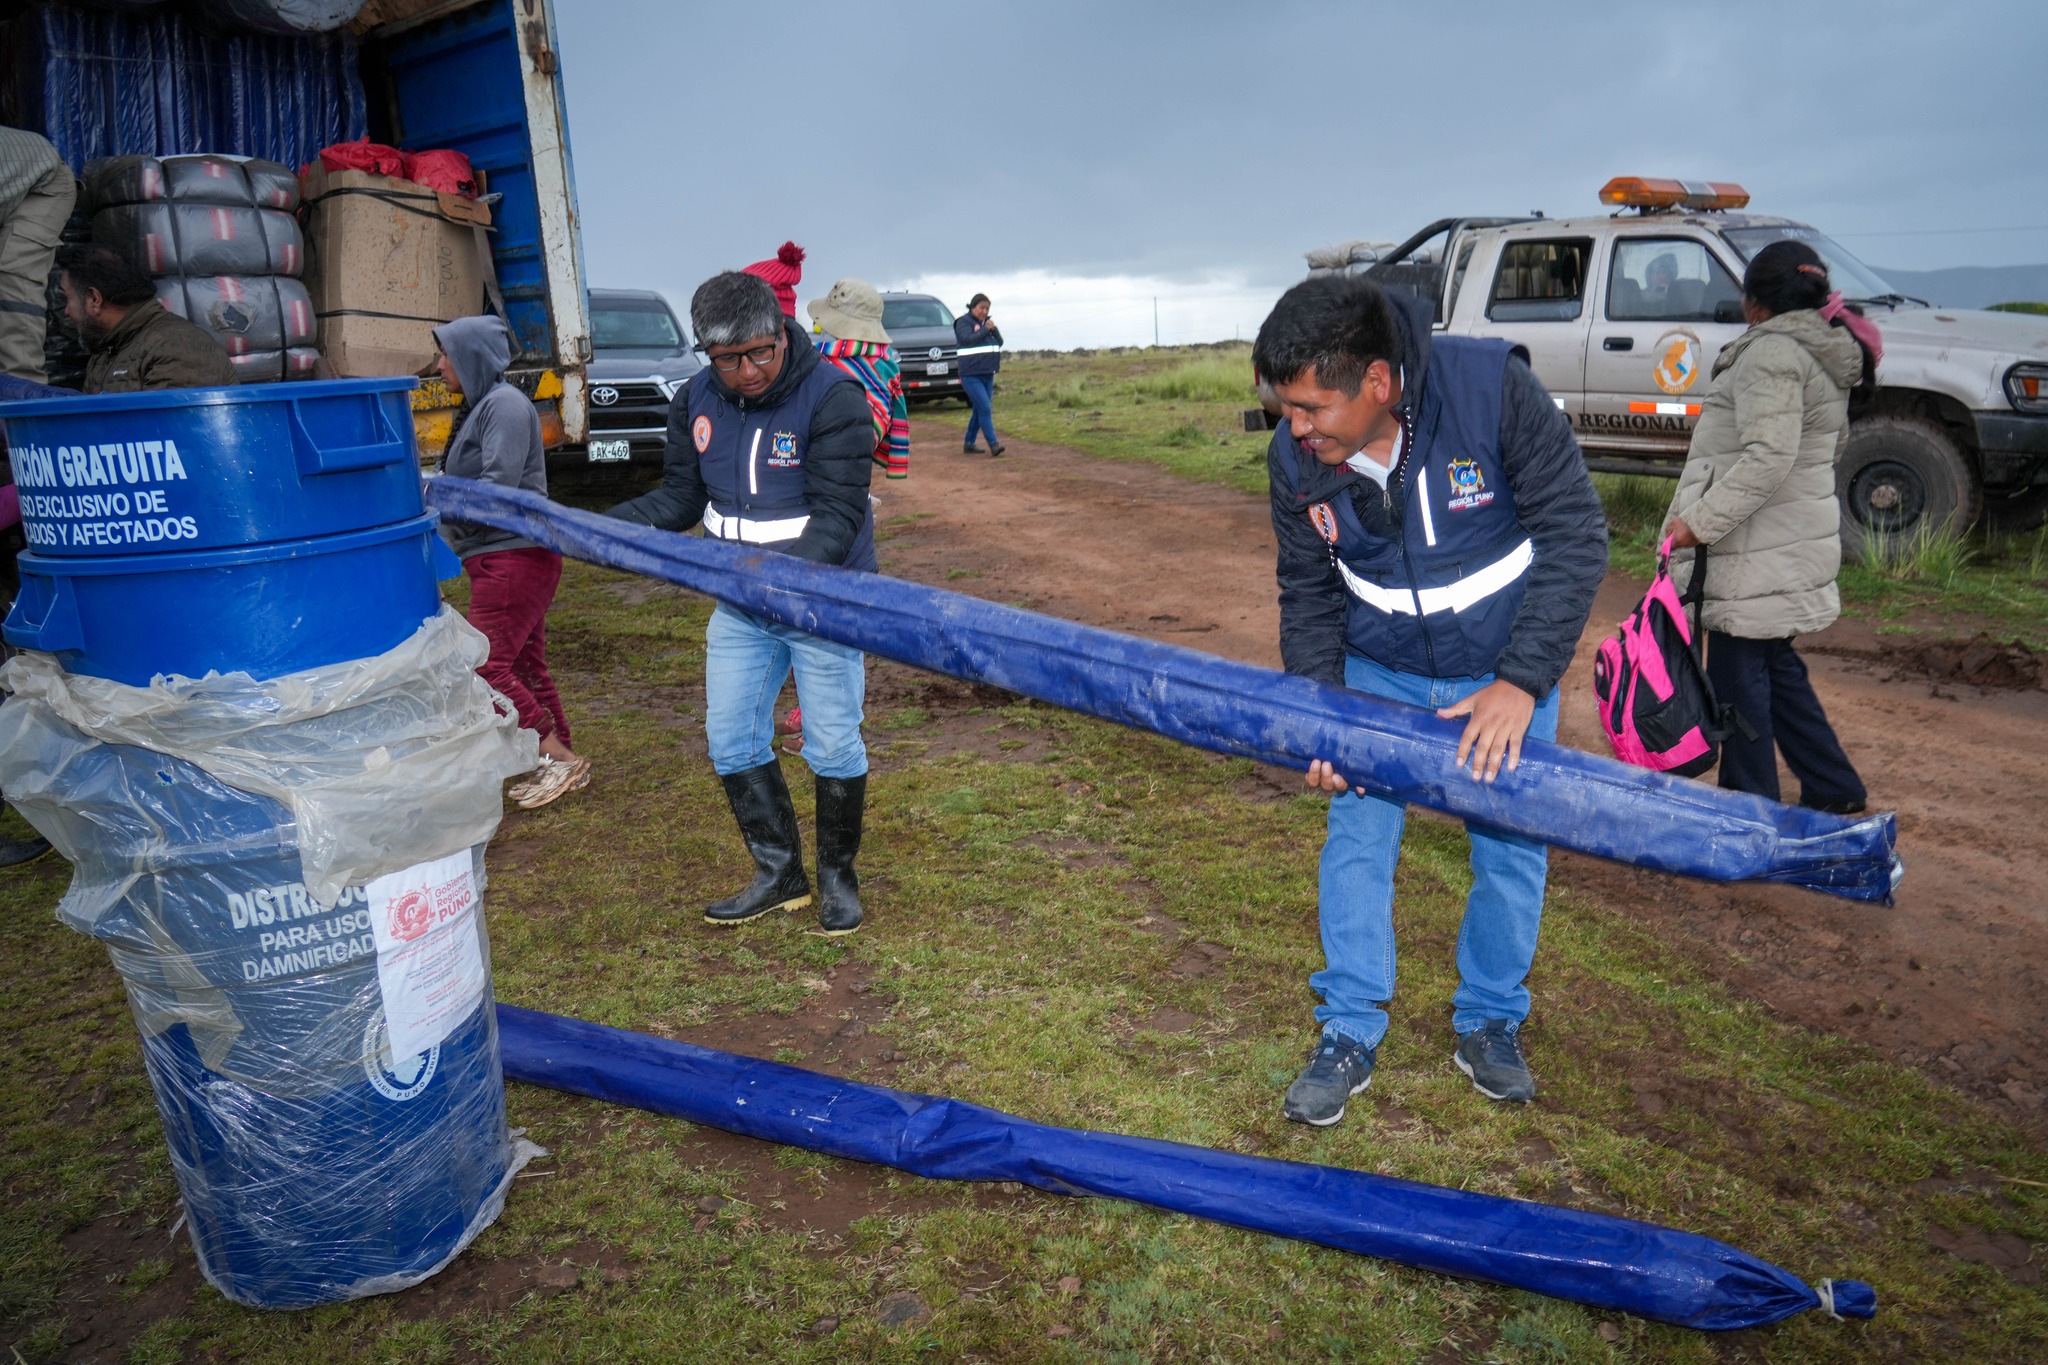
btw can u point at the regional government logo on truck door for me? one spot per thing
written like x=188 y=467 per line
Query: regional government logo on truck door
x=1678 y=362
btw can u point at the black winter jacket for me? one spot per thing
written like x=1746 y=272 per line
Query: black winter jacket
x=1554 y=501
x=838 y=460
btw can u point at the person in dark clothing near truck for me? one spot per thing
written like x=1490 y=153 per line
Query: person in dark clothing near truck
x=1440 y=543
x=136 y=342
x=769 y=445
x=980 y=356
x=512 y=581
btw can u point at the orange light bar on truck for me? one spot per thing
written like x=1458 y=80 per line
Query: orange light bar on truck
x=1634 y=192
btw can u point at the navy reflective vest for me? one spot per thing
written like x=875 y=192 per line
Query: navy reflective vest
x=1441 y=600
x=752 y=464
x=981 y=346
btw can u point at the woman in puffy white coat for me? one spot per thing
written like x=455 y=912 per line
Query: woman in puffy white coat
x=1758 y=494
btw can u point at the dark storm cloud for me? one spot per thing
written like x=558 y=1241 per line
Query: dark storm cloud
x=895 y=140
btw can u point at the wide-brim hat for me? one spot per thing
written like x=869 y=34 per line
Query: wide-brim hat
x=851 y=312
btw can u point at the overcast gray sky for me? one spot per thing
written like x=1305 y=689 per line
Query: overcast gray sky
x=1095 y=153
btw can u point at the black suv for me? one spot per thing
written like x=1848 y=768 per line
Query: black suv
x=640 y=356
x=921 y=330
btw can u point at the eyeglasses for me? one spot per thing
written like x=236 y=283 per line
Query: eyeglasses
x=759 y=357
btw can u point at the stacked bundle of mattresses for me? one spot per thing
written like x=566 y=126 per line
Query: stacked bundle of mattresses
x=220 y=236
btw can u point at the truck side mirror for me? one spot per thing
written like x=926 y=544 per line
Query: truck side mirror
x=1728 y=310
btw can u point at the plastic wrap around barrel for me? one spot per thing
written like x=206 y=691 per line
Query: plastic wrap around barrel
x=172 y=471
x=314 y=1165
x=264 y=610
x=291 y=1201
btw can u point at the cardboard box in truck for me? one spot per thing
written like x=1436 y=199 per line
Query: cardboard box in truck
x=390 y=260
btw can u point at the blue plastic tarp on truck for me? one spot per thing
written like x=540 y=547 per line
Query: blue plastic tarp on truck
x=99 y=83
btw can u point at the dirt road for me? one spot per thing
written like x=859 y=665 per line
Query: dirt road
x=1949 y=980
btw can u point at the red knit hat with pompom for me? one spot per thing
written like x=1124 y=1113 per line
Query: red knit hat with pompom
x=782 y=274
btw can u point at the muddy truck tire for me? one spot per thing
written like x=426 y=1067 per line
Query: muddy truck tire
x=1902 y=479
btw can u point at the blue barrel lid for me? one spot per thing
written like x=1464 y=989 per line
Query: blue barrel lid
x=202 y=398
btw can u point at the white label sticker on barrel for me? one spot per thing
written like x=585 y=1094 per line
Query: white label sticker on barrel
x=430 y=964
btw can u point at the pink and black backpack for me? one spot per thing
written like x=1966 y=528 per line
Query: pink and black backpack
x=1656 y=705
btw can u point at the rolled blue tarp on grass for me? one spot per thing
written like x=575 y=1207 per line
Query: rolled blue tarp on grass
x=1558 y=795
x=1614 y=1263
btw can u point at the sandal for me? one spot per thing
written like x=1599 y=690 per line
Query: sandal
x=555 y=778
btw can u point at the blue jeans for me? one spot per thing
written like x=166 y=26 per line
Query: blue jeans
x=980 y=391
x=1497 y=942
x=746 y=660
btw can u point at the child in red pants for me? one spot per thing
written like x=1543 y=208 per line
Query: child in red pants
x=512 y=581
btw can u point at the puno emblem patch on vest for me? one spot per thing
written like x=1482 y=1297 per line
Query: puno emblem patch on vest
x=782 y=450
x=700 y=433
x=1468 y=486
x=1324 y=520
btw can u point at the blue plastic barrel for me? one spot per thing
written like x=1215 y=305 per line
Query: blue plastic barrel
x=264 y=610
x=301 y=1200
x=314 y=1165
x=169 y=472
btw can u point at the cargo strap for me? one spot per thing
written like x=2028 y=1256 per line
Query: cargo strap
x=368 y=313
x=402 y=202
x=486 y=263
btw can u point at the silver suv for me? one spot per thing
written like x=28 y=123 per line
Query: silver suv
x=1622 y=316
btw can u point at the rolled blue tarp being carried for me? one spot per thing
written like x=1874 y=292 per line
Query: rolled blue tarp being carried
x=1558 y=795
x=1615 y=1263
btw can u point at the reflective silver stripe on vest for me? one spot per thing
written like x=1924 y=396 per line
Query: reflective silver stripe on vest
x=753 y=532
x=978 y=350
x=1468 y=591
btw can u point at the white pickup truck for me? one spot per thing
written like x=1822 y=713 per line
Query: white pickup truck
x=1621 y=317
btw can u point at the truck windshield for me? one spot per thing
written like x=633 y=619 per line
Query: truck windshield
x=915 y=313
x=1855 y=279
x=633 y=325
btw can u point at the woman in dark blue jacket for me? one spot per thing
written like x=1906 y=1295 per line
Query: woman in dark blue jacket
x=981 y=355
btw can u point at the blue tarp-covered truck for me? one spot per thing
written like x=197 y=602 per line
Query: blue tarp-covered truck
x=242 y=77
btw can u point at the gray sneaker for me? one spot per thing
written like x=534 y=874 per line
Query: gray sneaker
x=1338 y=1069
x=1492 y=1056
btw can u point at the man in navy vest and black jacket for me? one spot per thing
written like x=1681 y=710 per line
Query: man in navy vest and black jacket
x=770 y=447
x=1440 y=543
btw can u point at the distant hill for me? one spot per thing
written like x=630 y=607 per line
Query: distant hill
x=1972 y=286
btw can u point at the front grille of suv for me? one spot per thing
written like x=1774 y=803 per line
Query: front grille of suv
x=917 y=377
x=638 y=407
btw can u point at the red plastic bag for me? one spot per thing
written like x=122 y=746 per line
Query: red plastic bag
x=446 y=171
x=364 y=155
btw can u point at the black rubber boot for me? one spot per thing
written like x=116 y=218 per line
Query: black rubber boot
x=15 y=852
x=841 y=800
x=760 y=802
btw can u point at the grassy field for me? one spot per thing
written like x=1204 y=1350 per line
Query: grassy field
x=1180 y=407
x=1071 y=922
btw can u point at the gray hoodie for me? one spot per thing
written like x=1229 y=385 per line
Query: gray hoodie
x=497 y=438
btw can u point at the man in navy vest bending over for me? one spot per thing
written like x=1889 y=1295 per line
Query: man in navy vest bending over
x=770 y=447
x=1440 y=543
